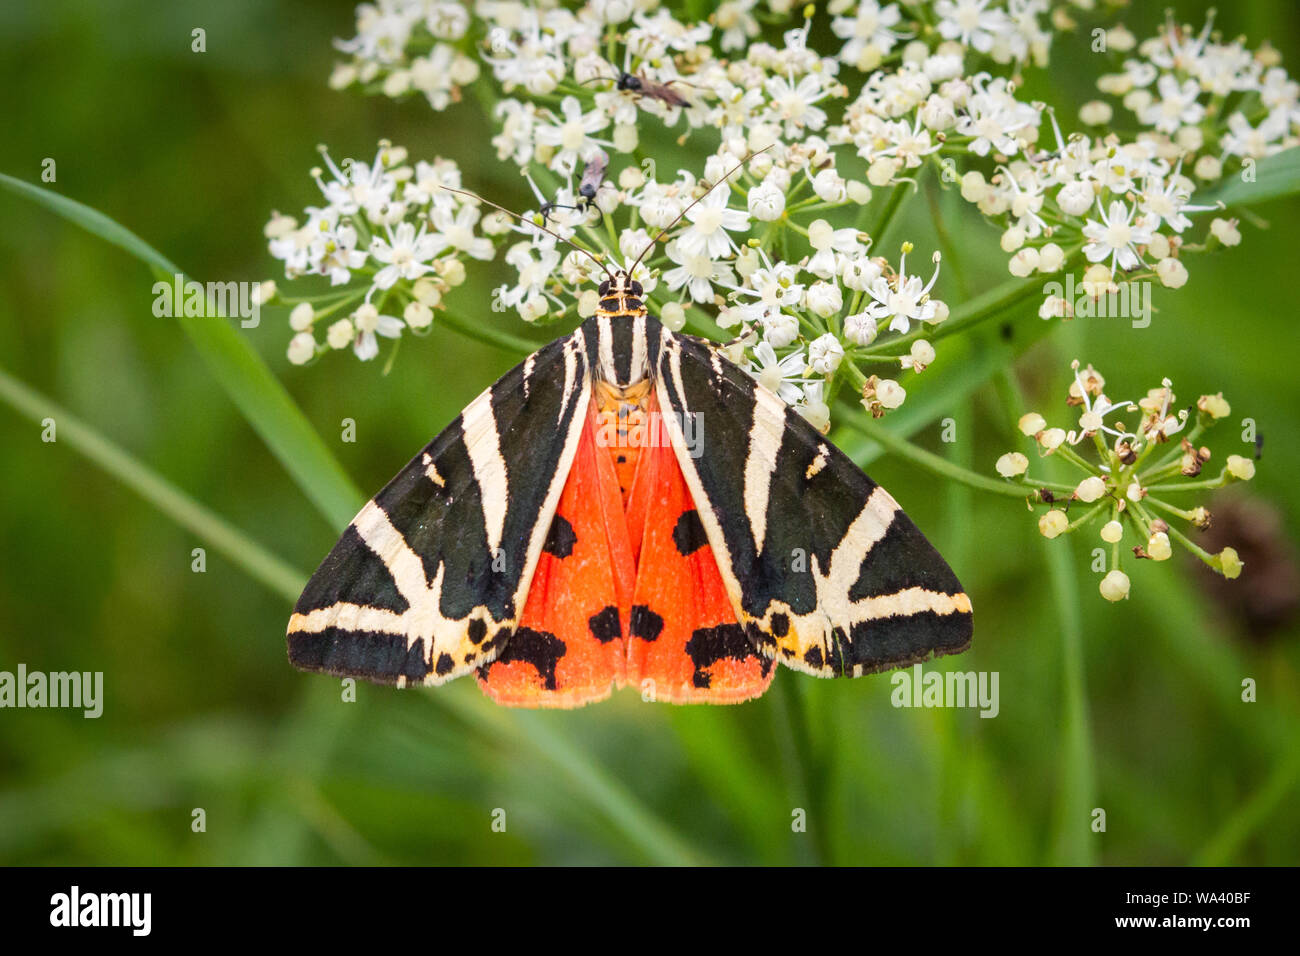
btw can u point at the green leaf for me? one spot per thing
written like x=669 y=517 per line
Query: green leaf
x=215 y=532
x=240 y=371
x=1275 y=177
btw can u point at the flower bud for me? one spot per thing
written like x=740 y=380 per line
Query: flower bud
x=1090 y=489
x=1229 y=563
x=1012 y=464
x=1053 y=523
x=1243 y=469
x=1114 y=586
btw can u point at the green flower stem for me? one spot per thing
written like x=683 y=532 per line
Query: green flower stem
x=1073 y=843
x=212 y=530
x=1195 y=548
x=1114 y=548
x=946 y=245
x=1069 y=454
x=1223 y=479
x=594 y=785
x=1253 y=815
x=1087 y=516
x=1168 y=508
x=887 y=215
x=1173 y=460
x=942 y=466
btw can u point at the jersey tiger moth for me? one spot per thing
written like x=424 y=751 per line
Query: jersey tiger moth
x=627 y=507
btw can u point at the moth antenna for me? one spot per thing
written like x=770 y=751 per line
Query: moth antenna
x=526 y=221
x=695 y=202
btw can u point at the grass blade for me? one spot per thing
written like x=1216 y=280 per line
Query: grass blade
x=240 y=371
x=214 y=531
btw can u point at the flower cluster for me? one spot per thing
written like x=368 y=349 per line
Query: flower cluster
x=1205 y=111
x=391 y=235
x=1141 y=451
x=775 y=235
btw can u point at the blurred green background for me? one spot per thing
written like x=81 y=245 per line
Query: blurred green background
x=192 y=152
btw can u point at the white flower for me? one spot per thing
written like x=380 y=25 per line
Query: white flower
x=370 y=323
x=302 y=316
x=571 y=136
x=696 y=273
x=1114 y=586
x=1012 y=464
x=996 y=119
x=825 y=354
x=779 y=329
x=1075 y=197
x=766 y=202
x=829 y=245
x=869 y=32
x=825 y=298
x=1176 y=107
x=782 y=376
x=339 y=255
x=904 y=300
x=418 y=315
x=457 y=232
x=1116 y=237
x=794 y=103
x=535 y=264
x=711 y=221
x=971 y=23
x=406 y=254
x=302 y=348
x=860 y=329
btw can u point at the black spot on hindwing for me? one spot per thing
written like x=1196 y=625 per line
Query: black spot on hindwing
x=688 y=533
x=708 y=645
x=561 y=539
x=605 y=625
x=645 y=623
x=538 y=648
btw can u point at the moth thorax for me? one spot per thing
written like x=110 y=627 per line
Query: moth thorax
x=624 y=426
x=619 y=346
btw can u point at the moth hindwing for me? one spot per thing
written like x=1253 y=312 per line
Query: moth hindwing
x=627 y=507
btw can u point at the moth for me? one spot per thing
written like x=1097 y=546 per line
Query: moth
x=627 y=507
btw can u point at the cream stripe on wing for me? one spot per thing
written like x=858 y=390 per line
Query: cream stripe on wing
x=484 y=447
x=606 y=348
x=845 y=562
x=910 y=601
x=764 y=444
x=575 y=345
x=388 y=544
x=638 y=347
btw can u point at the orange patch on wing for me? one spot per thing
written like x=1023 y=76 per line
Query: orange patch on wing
x=683 y=631
x=570 y=648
